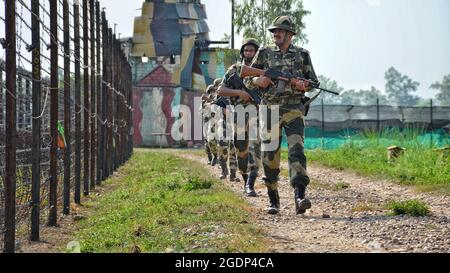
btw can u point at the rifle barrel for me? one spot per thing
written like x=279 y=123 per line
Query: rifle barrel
x=328 y=91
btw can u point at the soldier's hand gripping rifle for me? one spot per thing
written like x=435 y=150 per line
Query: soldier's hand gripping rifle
x=247 y=71
x=221 y=102
x=236 y=82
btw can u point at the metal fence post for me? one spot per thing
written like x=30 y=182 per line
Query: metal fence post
x=378 y=121
x=54 y=90
x=431 y=123
x=36 y=147
x=323 y=124
x=93 y=87
x=10 y=127
x=67 y=112
x=76 y=23
x=116 y=76
x=104 y=93
x=130 y=117
x=99 y=95
x=110 y=106
x=87 y=115
x=378 y=116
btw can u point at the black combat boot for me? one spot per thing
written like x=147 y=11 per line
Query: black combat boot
x=301 y=203
x=224 y=167
x=274 y=202
x=233 y=177
x=250 y=185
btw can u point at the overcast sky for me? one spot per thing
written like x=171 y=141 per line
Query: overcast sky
x=351 y=41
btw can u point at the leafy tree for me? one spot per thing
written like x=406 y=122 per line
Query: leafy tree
x=444 y=91
x=363 y=97
x=423 y=102
x=350 y=97
x=252 y=20
x=399 y=88
x=369 y=97
x=226 y=37
x=332 y=85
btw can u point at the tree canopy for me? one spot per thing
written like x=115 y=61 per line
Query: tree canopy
x=400 y=88
x=443 y=87
x=253 y=17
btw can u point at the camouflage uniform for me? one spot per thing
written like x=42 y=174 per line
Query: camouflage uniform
x=297 y=62
x=209 y=129
x=225 y=147
x=227 y=151
x=210 y=147
x=248 y=151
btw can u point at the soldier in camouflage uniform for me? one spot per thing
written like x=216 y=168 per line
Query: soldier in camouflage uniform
x=227 y=150
x=287 y=58
x=225 y=147
x=246 y=159
x=208 y=114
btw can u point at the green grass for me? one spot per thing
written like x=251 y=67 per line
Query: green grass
x=420 y=165
x=416 y=167
x=162 y=203
x=414 y=208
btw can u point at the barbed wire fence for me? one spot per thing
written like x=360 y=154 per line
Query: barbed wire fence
x=65 y=110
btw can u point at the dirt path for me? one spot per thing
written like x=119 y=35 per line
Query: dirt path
x=348 y=215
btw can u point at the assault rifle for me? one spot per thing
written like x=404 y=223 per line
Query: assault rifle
x=236 y=82
x=248 y=71
x=221 y=102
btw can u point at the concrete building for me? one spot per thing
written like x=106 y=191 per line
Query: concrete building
x=173 y=62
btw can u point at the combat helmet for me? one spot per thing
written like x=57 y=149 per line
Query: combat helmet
x=249 y=41
x=283 y=22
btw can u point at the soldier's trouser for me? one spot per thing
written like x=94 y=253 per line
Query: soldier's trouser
x=241 y=144
x=291 y=119
x=207 y=149
x=226 y=150
x=248 y=151
x=254 y=150
x=212 y=145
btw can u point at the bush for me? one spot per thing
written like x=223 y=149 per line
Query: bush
x=196 y=183
x=414 y=208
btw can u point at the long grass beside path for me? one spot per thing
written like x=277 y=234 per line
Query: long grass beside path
x=420 y=165
x=162 y=203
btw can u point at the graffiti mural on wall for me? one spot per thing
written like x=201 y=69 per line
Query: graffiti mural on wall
x=156 y=96
x=154 y=99
x=174 y=36
x=153 y=118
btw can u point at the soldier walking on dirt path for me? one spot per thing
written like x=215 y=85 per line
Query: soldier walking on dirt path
x=286 y=58
x=249 y=151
